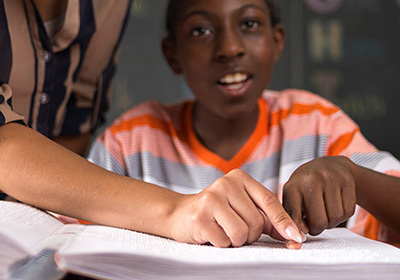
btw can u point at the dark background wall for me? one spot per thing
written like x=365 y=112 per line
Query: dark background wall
x=345 y=50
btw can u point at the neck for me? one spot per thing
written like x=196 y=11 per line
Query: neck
x=224 y=137
x=51 y=9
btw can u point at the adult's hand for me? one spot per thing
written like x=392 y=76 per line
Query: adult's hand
x=235 y=209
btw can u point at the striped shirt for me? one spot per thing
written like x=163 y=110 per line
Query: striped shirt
x=157 y=144
x=59 y=85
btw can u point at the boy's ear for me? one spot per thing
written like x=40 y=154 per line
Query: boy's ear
x=279 y=39
x=169 y=51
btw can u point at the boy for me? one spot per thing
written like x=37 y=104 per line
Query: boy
x=296 y=144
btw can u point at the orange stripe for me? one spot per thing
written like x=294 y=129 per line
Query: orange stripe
x=394 y=173
x=371 y=229
x=84 y=222
x=300 y=109
x=146 y=120
x=341 y=143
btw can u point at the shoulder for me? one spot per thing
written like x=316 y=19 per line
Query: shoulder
x=297 y=99
x=108 y=6
x=107 y=12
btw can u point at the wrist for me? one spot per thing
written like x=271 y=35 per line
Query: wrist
x=174 y=216
x=355 y=171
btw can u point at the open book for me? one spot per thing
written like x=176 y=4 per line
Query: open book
x=35 y=245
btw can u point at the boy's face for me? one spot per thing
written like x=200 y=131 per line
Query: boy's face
x=226 y=50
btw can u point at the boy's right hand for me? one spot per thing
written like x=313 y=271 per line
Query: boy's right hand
x=235 y=209
x=321 y=193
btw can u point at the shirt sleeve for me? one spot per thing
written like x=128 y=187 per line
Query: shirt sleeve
x=347 y=140
x=6 y=111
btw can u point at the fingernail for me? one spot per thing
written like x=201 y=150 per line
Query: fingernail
x=294 y=234
x=293 y=245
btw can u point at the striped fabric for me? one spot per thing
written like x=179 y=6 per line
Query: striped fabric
x=157 y=144
x=59 y=85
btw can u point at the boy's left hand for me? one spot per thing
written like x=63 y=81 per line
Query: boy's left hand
x=321 y=192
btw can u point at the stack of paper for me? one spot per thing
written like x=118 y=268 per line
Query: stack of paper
x=335 y=254
x=30 y=239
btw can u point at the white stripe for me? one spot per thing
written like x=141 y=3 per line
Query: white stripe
x=287 y=170
x=386 y=164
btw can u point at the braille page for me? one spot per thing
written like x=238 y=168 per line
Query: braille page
x=22 y=229
x=128 y=253
x=24 y=226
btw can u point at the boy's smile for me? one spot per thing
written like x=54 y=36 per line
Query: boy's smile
x=226 y=50
x=235 y=84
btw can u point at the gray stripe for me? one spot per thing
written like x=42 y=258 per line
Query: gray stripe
x=263 y=169
x=299 y=150
x=307 y=147
x=144 y=164
x=100 y=156
x=370 y=160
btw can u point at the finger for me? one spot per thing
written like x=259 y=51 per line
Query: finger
x=292 y=202
x=304 y=227
x=269 y=228
x=274 y=234
x=316 y=218
x=232 y=224
x=249 y=213
x=293 y=245
x=214 y=234
x=334 y=206
x=271 y=206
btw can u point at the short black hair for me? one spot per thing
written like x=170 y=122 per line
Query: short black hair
x=172 y=8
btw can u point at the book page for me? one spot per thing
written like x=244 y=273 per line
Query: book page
x=22 y=229
x=112 y=253
x=23 y=226
x=331 y=247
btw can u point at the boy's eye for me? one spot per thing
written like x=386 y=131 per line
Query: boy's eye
x=200 y=31
x=248 y=24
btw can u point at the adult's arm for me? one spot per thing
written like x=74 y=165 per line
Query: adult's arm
x=78 y=144
x=37 y=171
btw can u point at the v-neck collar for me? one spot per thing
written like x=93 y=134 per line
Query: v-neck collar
x=242 y=155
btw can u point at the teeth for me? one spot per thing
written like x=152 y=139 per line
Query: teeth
x=235 y=86
x=234 y=78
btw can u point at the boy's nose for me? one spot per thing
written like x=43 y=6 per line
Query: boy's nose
x=229 y=45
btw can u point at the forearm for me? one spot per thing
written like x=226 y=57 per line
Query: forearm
x=40 y=172
x=379 y=194
x=78 y=144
